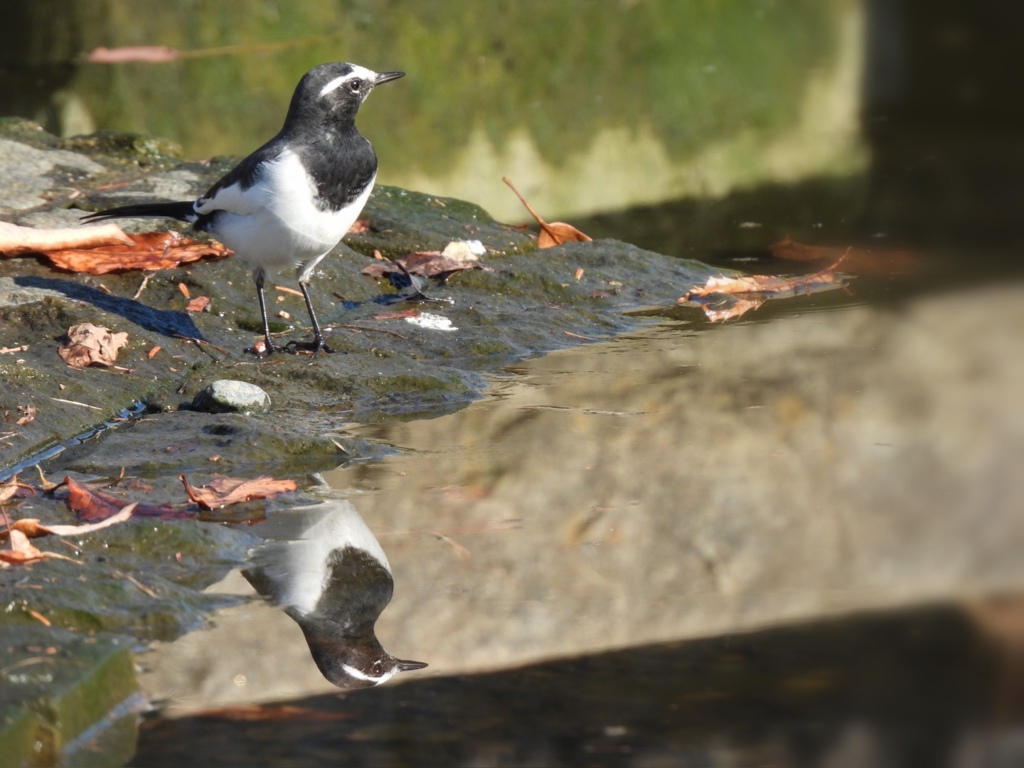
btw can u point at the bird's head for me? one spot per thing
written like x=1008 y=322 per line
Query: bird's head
x=335 y=90
x=351 y=662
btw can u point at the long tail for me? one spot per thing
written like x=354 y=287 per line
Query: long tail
x=180 y=211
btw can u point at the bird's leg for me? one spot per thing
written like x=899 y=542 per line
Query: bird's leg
x=317 y=344
x=259 y=276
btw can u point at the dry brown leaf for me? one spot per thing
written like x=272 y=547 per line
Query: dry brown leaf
x=95 y=506
x=723 y=298
x=148 y=251
x=437 y=264
x=360 y=227
x=90 y=344
x=223 y=491
x=16 y=241
x=29 y=416
x=33 y=529
x=19 y=550
x=550 y=234
x=13 y=488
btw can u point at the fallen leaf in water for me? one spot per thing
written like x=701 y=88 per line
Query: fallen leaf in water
x=94 y=506
x=550 y=234
x=860 y=261
x=90 y=344
x=147 y=251
x=223 y=491
x=723 y=298
x=16 y=240
x=198 y=304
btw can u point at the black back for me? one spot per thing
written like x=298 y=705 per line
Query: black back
x=322 y=131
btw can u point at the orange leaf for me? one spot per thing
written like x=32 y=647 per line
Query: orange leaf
x=147 y=251
x=223 y=491
x=198 y=304
x=550 y=234
x=95 y=506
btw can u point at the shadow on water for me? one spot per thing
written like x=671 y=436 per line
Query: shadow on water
x=935 y=686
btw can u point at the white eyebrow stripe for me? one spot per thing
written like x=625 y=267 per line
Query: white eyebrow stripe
x=356 y=72
x=335 y=83
x=359 y=675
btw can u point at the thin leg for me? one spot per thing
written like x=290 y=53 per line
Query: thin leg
x=259 y=277
x=318 y=344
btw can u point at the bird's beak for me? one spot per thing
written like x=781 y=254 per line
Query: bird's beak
x=385 y=77
x=408 y=666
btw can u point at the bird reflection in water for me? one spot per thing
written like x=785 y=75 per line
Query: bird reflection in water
x=334 y=580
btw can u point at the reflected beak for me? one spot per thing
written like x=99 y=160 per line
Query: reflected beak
x=385 y=77
x=408 y=666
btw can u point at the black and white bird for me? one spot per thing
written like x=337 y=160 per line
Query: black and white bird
x=334 y=580
x=291 y=201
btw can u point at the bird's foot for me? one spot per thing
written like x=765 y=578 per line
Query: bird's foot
x=315 y=347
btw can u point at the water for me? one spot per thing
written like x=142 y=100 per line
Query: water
x=563 y=549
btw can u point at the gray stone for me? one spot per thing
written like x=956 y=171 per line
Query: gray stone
x=26 y=170
x=230 y=396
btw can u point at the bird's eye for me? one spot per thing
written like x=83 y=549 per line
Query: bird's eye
x=355 y=85
x=378 y=668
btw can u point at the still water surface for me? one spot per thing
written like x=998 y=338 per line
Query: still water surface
x=844 y=467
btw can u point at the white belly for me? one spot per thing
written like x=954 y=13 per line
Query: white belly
x=275 y=223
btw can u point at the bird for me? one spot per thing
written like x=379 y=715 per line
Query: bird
x=334 y=580
x=291 y=201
